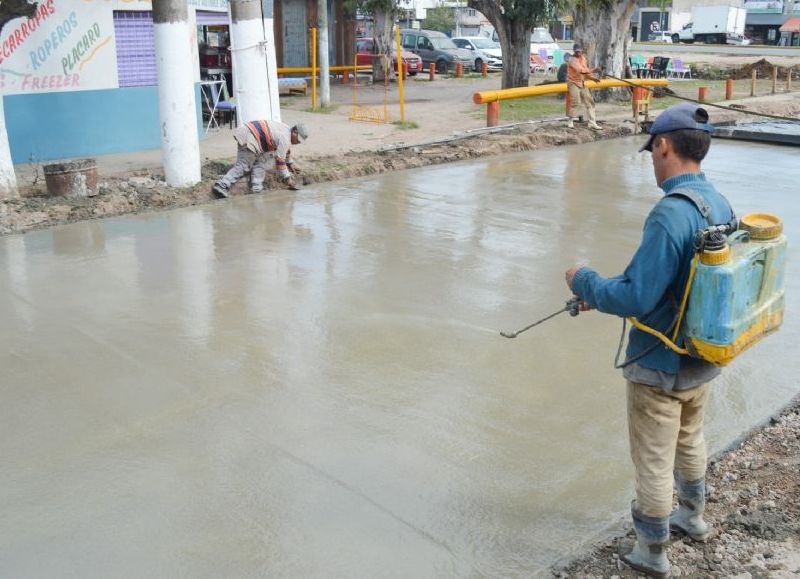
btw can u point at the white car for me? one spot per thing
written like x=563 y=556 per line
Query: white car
x=541 y=39
x=661 y=36
x=483 y=49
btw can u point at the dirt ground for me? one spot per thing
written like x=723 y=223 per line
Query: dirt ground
x=753 y=505
x=754 y=497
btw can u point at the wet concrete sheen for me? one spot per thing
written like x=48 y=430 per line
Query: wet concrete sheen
x=315 y=386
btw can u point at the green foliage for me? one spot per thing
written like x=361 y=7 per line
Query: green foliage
x=530 y=12
x=353 y=7
x=441 y=18
x=405 y=125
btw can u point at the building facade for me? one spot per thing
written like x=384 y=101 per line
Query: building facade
x=79 y=78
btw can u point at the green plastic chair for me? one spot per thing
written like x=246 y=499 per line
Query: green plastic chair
x=558 y=57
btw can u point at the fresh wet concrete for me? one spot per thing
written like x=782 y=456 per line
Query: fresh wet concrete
x=314 y=385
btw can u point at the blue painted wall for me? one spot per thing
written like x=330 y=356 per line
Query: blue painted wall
x=62 y=125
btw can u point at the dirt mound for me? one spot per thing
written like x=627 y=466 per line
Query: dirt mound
x=763 y=69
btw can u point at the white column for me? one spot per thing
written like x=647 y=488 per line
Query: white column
x=180 y=143
x=8 y=180
x=324 y=65
x=255 y=72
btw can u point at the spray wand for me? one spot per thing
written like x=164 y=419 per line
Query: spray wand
x=573 y=307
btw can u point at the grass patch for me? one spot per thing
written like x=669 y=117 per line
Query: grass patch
x=540 y=107
x=322 y=110
x=405 y=125
x=715 y=92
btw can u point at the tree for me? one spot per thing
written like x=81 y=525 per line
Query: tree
x=441 y=18
x=383 y=13
x=603 y=27
x=514 y=20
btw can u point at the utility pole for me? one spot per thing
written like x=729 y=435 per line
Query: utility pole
x=8 y=180
x=324 y=65
x=255 y=73
x=180 y=143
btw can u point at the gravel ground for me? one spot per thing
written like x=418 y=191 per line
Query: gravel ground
x=753 y=505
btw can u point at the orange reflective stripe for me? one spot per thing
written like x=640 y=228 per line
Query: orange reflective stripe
x=260 y=131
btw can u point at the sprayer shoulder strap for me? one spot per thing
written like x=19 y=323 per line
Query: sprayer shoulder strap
x=698 y=200
x=702 y=205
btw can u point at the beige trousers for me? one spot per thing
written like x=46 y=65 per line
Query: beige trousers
x=583 y=96
x=666 y=434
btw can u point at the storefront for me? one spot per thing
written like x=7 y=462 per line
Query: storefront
x=790 y=32
x=763 y=28
x=79 y=77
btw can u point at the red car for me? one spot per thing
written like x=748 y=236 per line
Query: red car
x=365 y=56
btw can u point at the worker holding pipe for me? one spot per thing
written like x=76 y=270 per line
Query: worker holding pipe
x=666 y=391
x=578 y=72
x=255 y=141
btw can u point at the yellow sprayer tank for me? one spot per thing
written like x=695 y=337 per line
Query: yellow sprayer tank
x=737 y=293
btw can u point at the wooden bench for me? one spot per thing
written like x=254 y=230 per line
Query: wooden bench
x=292 y=85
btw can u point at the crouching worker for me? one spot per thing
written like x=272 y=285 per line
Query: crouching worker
x=255 y=141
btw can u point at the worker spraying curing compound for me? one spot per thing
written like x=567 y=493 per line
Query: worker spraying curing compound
x=699 y=293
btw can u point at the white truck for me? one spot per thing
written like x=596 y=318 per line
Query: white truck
x=713 y=25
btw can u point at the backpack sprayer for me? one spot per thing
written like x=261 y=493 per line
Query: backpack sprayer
x=733 y=298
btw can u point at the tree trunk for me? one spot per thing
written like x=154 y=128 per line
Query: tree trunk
x=604 y=32
x=515 y=42
x=384 y=26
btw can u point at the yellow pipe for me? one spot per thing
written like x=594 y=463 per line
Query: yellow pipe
x=314 y=69
x=301 y=69
x=400 y=73
x=482 y=98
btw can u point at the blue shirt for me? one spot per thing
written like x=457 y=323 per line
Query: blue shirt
x=652 y=285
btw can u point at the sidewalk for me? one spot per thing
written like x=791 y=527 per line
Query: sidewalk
x=438 y=108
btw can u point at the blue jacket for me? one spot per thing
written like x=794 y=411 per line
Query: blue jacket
x=652 y=285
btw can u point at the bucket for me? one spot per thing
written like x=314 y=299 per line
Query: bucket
x=72 y=178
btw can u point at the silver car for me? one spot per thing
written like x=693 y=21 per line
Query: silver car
x=483 y=50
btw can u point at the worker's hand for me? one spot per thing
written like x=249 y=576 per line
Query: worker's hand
x=570 y=275
x=291 y=184
x=294 y=168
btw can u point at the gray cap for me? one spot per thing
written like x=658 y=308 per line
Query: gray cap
x=577 y=47
x=677 y=117
x=302 y=131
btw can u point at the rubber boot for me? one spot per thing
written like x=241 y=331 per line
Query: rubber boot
x=570 y=123
x=649 y=554
x=688 y=517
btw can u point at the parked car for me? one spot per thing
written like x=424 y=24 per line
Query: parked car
x=483 y=50
x=435 y=47
x=740 y=39
x=661 y=36
x=365 y=55
x=541 y=38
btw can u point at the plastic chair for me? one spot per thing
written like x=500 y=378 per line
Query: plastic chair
x=679 y=70
x=546 y=59
x=538 y=64
x=226 y=107
x=558 y=58
x=638 y=65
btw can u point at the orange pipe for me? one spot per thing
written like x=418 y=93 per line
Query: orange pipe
x=493 y=114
